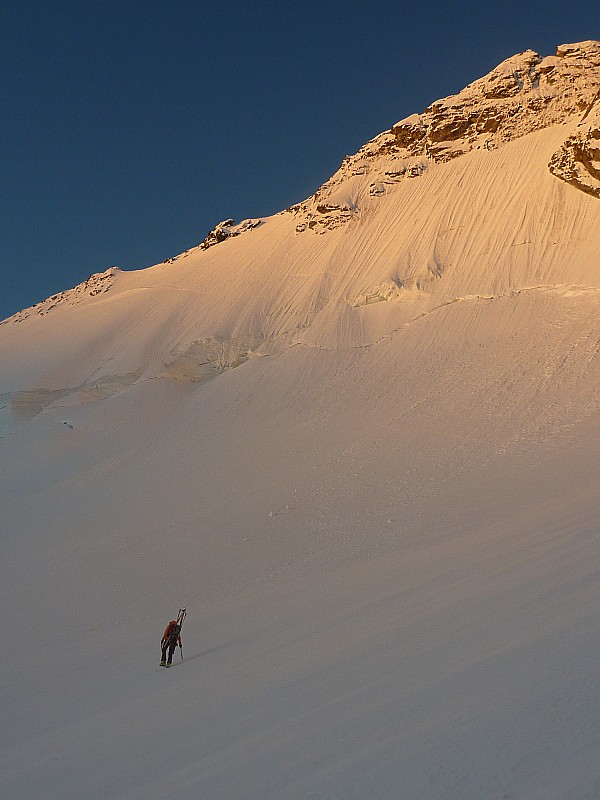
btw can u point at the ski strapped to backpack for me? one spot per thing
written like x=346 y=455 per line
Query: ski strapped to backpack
x=181 y=615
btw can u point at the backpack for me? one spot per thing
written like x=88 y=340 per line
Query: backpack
x=174 y=632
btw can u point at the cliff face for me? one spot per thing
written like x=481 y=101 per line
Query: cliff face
x=523 y=94
x=577 y=161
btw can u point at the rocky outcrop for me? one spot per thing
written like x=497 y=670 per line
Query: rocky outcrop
x=523 y=94
x=577 y=162
x=96 y=284
x=226 y=229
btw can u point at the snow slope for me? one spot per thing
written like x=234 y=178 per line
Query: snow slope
x=363 y=452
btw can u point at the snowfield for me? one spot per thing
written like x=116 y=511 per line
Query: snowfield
x=363 y=452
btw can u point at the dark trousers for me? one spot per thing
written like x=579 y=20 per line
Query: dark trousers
x=170 y=645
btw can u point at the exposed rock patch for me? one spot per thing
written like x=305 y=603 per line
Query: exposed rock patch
x=226 y=230
x=523 y=94
x=96 y=284
x=577 y=162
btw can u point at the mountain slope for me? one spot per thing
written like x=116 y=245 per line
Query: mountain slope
x=490 y=222
x=362 y=451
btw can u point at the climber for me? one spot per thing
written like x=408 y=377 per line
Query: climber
x=171 y=638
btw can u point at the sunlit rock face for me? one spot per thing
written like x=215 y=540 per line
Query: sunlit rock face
x=524 y=93
x=578 y=160
x=96 y=284
x=226 y=229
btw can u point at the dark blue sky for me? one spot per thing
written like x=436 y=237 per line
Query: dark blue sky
x=130 y=128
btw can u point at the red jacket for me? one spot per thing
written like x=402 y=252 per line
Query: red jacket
x=169 y=632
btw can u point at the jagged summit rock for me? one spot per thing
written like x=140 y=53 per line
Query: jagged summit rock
x=524 y=93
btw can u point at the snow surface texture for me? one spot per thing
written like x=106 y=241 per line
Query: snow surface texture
x=365 y=460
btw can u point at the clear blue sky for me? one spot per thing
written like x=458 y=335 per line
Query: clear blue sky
x=130 y=128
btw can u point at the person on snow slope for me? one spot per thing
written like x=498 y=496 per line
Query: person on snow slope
x=171 y=638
